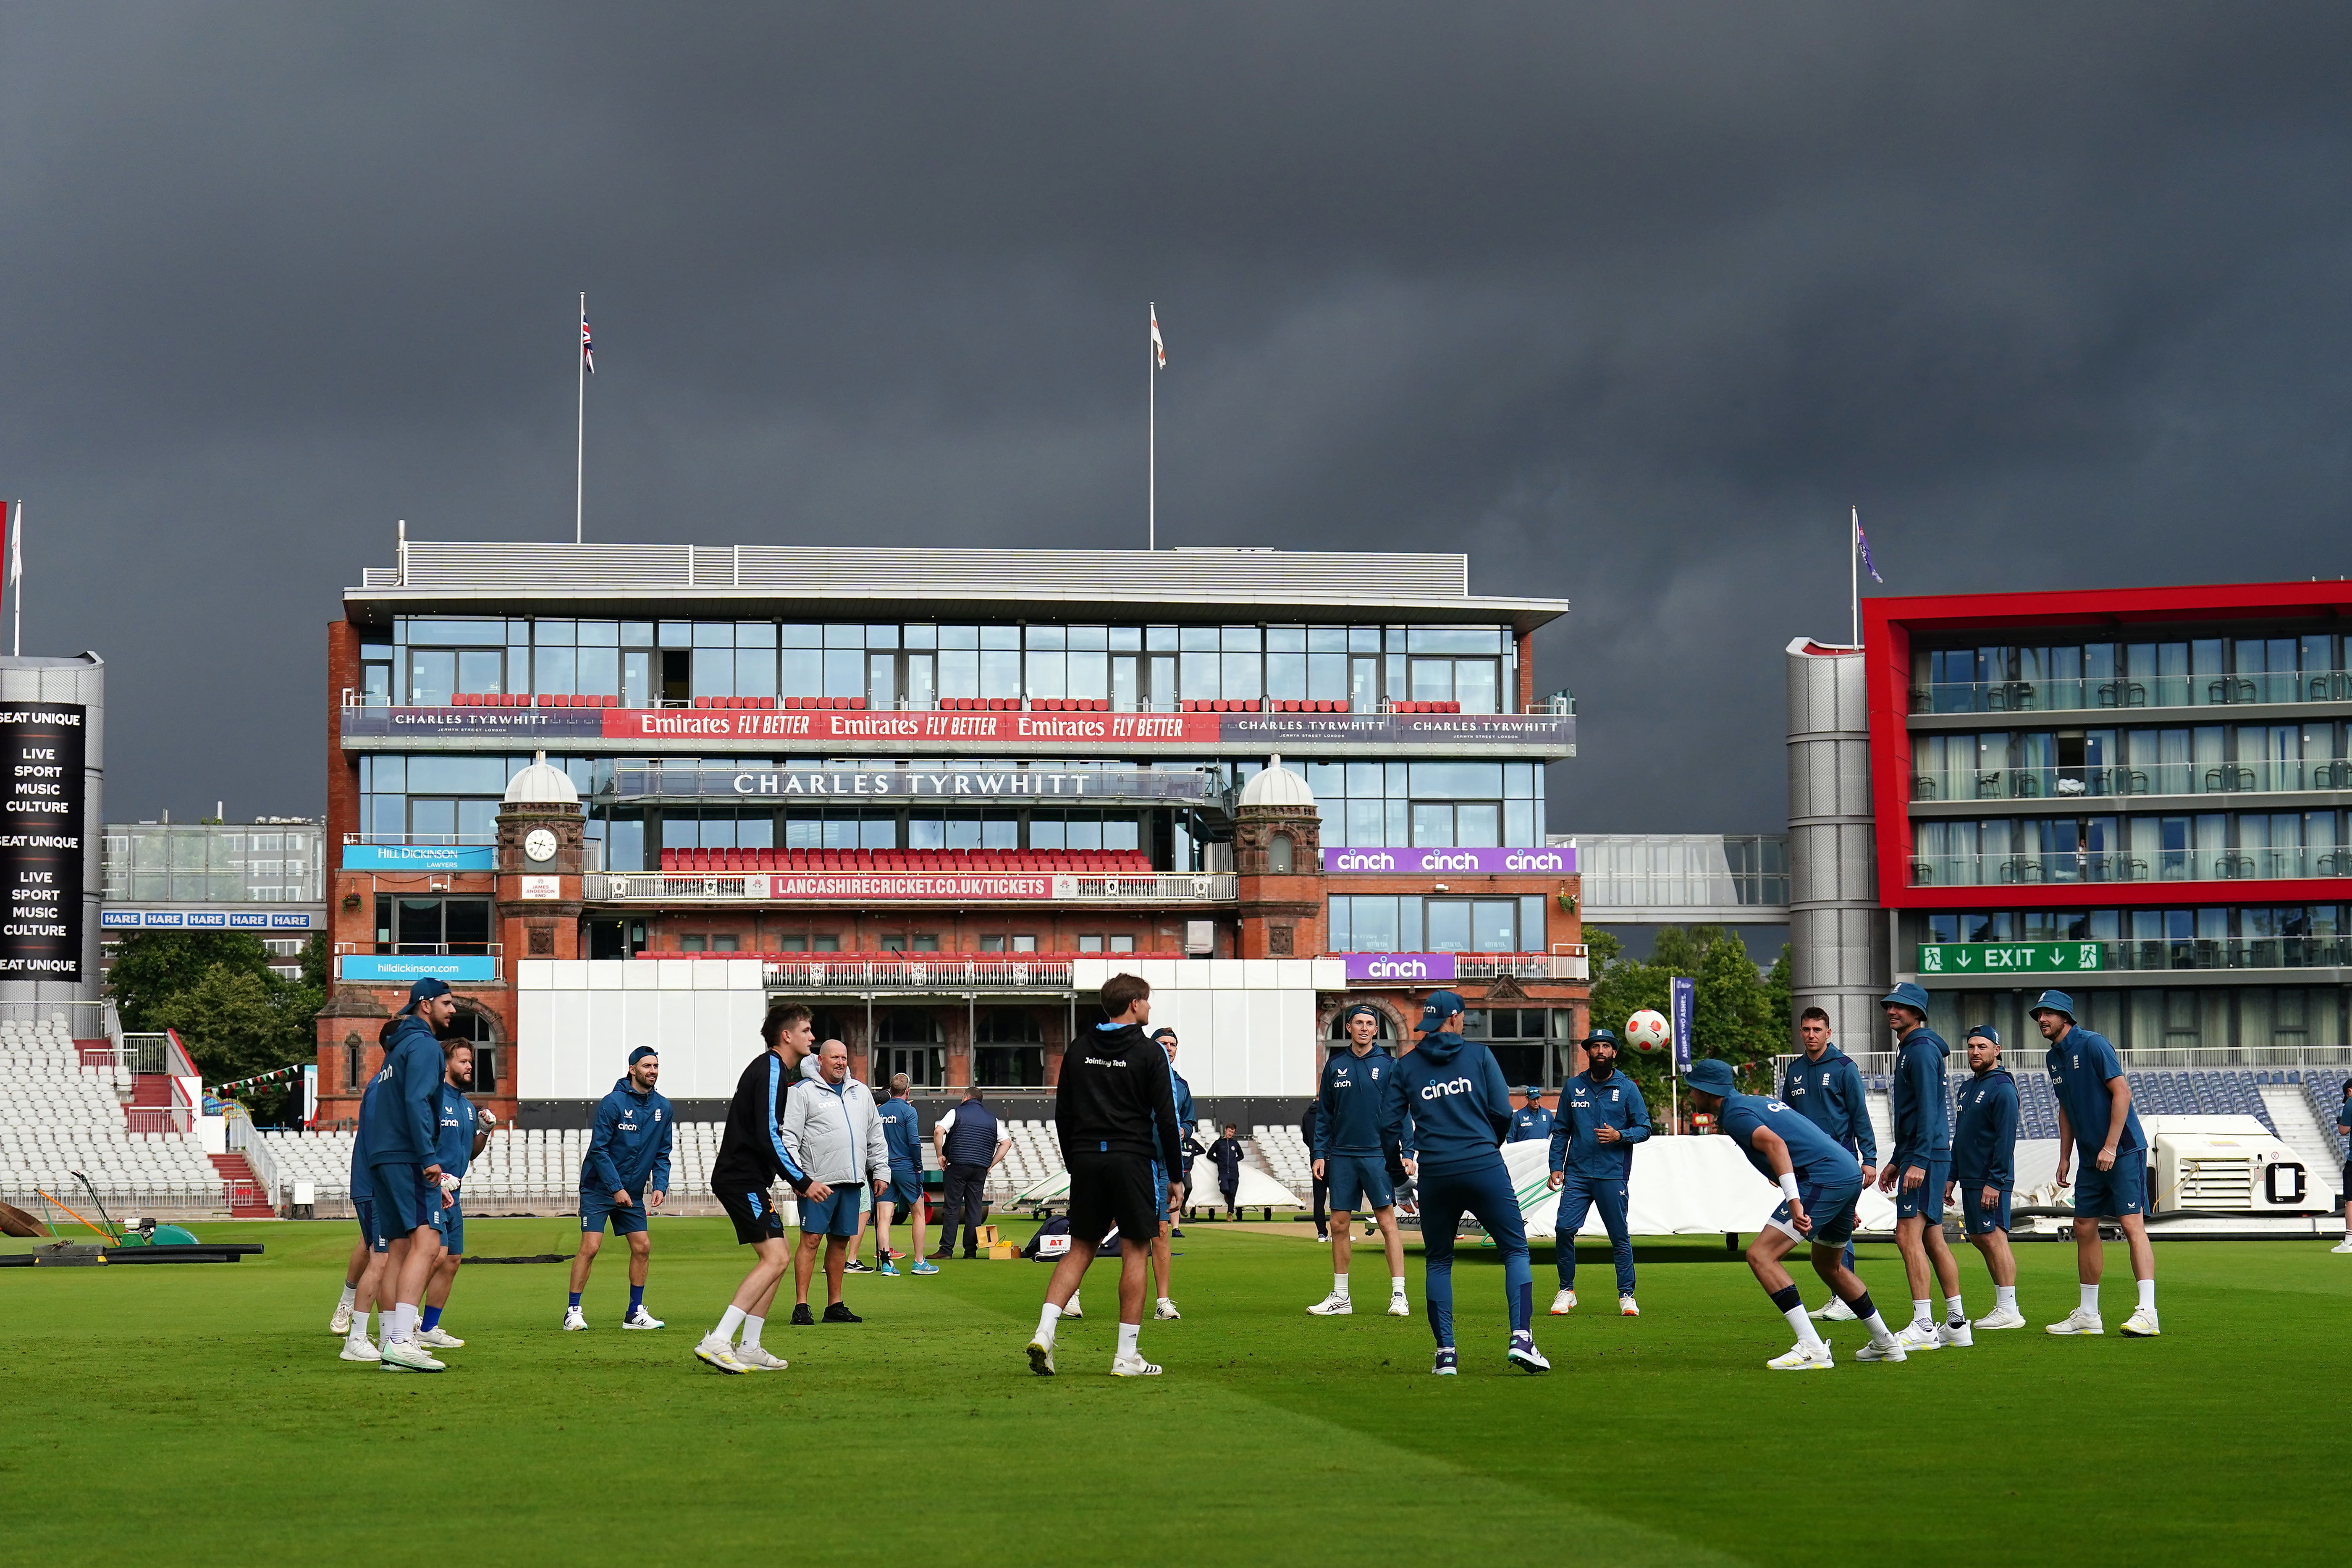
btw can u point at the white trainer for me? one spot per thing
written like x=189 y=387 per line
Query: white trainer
x=408 y=1355
x=1955 y=1337
x=1837 y=1311
x=573 y=1320
x=1891 y=1351
x=712 y=1350
x=2343 y=1246
x=439 y=1338
x=1041 y=1358
x=361 y=1349
x=1333 y=1305
x=341 y=1323
x=1626 y=1309
x=2002 y=1318
x=1918 y=1336
x=1132 y=1366
x=1804 y=1358
x=2141 y=1324
x=1166 y=1310
x=641 y=1319
x=1563 y=1304
x=1398 y=1306
x=758 y=1359
x=2081 y=1320
x=1524 y=1356
x=1071 y=1310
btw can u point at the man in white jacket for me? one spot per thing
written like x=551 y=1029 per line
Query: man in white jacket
x=832 y=1131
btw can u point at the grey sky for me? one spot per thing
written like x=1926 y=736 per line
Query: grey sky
x=1629 y=301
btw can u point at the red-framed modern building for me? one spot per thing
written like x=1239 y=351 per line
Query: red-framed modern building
x=2139 y=796
x=917 y=785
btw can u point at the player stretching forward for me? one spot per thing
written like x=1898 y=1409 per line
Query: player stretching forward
x=2096 y=1119
x=1601 y=1117
x=1115 y=1113
x=630 y=1143
x=751 y=1156
x=1819 y=1184
x=1350 y=1160
x=1461 y=1112
x=464 y=1131
x=1984 y=1169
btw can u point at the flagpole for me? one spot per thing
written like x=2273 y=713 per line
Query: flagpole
x=1151 y=369
x=17 y=570
x=1853 y=571
x=580 y=448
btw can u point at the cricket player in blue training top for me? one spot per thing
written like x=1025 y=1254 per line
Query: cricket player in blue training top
x=1824 y=1086
x=2096 y=1119
x=1351 y=1161
x=902 y=1136
x=627 y=1161
x=401 y=1136
x=1922 y=1164
x=1819 y=1185
x=1984 y=1169
x=1461 y=1111
x=1601 y=1117
x=363 y=1276
x=465 y=1132
x=1530 y=1123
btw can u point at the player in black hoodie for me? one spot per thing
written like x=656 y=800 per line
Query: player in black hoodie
x=1115 y=1111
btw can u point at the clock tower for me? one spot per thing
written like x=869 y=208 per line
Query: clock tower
x=540 y=853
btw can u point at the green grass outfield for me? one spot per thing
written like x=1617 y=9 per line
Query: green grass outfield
x=199 y=1415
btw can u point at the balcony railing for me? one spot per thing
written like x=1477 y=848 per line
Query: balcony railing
x=1567 y=962
x=2154 y=778
x=2132 y=692
x=2233 y=952
x=886 y=887
x=920 y=972
x=2158 y=866
x=1561 y=704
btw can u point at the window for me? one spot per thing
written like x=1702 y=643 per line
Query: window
x=405 y=923
x=1008 y=1049
x=1008 y=944
x=692 y=943
x=1279 y=854
x=1389 y=923
x=1518 y=1037
x=1122 y=944
x=1090 y=944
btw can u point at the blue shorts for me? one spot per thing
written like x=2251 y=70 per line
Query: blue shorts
x=377 y=1241
x=835 y=1215
x=2115 y=1193
x=1925 y=1201
x=404 y=1199
x=1830 y=1205
x=453 y=1228
x=1358 y=1182
x=905 y=1191
x=1977 y=1219
x=596 y=1207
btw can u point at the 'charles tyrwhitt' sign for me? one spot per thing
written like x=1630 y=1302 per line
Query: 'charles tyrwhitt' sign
x=41 y=833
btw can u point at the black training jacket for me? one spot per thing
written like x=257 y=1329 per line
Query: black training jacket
x=1115 y=1096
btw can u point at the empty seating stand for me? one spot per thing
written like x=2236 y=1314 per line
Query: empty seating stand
x=2203 y=1091
x=918 y=862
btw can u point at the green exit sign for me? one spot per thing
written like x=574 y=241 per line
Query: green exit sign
x=2003 y=958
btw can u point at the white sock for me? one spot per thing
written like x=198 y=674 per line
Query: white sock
x=1954 y=1312
x=2089 y=1297
x=2147 y=1294
x=1338 y=1284
x=1922 y=1312
x=359 y=1334
x=1396 y=1284
x=1045 y=1321
x=2004 y=1298
x=752 y=1327
x=1807 y=1335
x=728 y=1321
x=351 y=1294
x=1126 y=1334
x=403 y=1323
x=1880 y=1335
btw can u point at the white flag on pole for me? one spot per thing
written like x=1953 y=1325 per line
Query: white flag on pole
x=1158 y=349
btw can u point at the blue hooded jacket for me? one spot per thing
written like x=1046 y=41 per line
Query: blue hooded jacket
x=1585 y=1107
x=1829 y=1093
x=455 y=1150
x=1922 y=1100
x=1814 y=1157
x=1530 y=1124
x=902 y=1133
x=1453 y=1094
x=405 y=1122
x=631 y=1142
x=362 y=1187
x=1352 y=1103
x=1984 y=1143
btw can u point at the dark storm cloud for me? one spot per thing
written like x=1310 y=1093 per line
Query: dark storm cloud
x=1632 y=302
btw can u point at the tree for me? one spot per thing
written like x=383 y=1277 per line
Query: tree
x=153 y=966
x=237 y=1015
x=1736 y=1014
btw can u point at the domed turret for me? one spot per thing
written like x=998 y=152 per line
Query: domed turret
x=1278 y=785
x=541 y=784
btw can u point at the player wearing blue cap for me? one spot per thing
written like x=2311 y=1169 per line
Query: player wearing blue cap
x=628 y=1153
x=401 y=1132
x=465 y=1132
x=1352 y=1162
x=1984 y=1169
x=1601 y=1117
x=1461 y=1112
x=1922 y=1166
x=1819 y=1184
x=1531 y=1123
x=2096 y=1119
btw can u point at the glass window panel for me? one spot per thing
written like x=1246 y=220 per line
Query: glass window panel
x=1286 y=676
x=1089 y=676
x=1532 y=916
x=1432 y=823
x=1241 y=676
x=1161 y=639
x=1240 y=639
x=800 y=673
x=755 y=672
x=1326 y=639
x=460 y=775
x=1363 y=639
x=1197 y=640
x=477 y=820
x=1494 y=925
x=1373 y=924
x=1520 y=828
x=1335 y=927
x=800 y=636
x=959 y=673
x=1286 y=640
x=1475 y=685
x=999 y=673
x=1365 y=781
x=1198 y=679
x=1478 y=823
x=714 y=634
x=432 y=820
x=1089 y=638
x=1449 y=925
x=1048 y=674
x=881 y=680
x=1000 y=637
x=1082 y=831
x=1432 y=680
x=1367 y=823
x=1122 y=830
x=1127 y=640
x=677 y=634
x=1473 y=781
x=920 y=635
x=845 y=636
x=1049 y=639
x=448 y=630
x=1046 y=829
x=958 y=636
x=432 y=677
x=714 y=672
x=637 y=634
x=999 y=830
x=1453 y=639
x=882 y=636
x=599 y=671
x=844 y=673
x=480 y=670
x=1326 y=677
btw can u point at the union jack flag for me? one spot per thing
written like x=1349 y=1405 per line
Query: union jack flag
x=587 y=346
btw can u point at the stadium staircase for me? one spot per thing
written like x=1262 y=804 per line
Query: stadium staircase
x=149 y=1109
x=246 y=1200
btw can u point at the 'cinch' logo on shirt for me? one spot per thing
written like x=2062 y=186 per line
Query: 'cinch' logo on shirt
x=1451 y=1086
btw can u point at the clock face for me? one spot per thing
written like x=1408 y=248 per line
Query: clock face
x=539 y=844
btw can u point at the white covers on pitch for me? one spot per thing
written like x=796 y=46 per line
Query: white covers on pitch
x=1680 y=1186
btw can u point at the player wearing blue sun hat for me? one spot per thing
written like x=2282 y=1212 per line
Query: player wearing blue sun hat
x=1461 y=1112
